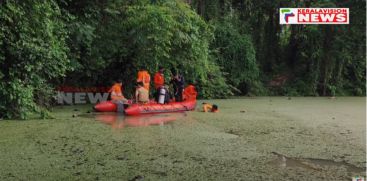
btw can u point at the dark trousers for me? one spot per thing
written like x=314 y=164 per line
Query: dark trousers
x=156 y=95
x=120 y=106
x=178 y=95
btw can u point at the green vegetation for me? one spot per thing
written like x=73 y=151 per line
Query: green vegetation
x=227 y=47
x=33 y=54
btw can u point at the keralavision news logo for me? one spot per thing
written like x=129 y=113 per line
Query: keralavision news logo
x=314 y=15
x=358 y=178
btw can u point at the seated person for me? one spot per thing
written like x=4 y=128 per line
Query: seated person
x=117 y=97
x=141 y=94
x=116 y=91
x=210 y=108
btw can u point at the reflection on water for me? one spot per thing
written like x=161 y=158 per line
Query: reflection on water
x=120 y=121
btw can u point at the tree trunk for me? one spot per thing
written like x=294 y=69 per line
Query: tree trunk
x=201 y=7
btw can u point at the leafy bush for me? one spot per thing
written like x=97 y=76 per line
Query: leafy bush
x=32 y=54
x=174 y=36
x=167 y=34
x=235 y=53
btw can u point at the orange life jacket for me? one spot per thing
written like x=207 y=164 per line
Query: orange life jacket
x=143 y=76
x=190 y=93
x=116 y=88
x=158 y=80
x=209 y=108
x=116 y=92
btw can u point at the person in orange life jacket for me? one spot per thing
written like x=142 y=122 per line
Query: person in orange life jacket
x=178 y=82
x=210 y=108
x=158 y=81
x=159 y=78
x=190 y=93
x=144 y=77
x=117 y=97
x=116 y=91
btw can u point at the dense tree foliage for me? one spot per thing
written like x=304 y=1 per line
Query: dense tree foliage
x=225 y=46
x=33 y=53
x=313 y=59
x=122 y=38
x=235 y=52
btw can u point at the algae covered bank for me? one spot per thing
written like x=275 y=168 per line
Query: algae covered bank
x=272 y=138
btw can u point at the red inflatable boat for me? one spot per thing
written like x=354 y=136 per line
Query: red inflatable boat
x=107 y=106
x=136 y=109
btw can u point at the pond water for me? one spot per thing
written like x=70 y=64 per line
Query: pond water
x=120 y=121
x=257 y=138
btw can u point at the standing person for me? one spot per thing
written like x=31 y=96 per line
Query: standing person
x=178 y=82
x=141 y=94
x=190 y=93
x=158 y=81
x=159 y=78
x=144 y=77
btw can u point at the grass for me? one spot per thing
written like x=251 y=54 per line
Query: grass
x=235 y=144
